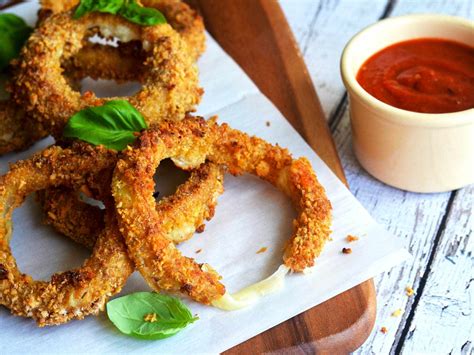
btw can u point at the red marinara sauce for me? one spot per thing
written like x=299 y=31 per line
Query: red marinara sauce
x=422 y=75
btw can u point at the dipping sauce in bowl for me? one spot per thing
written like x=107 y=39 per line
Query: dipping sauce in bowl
x=426 y=75
x=410 y=84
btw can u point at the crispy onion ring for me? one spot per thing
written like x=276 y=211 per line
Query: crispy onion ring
x=184 y=211
x=16 y=132
x=169 y=91
x=185 y=20
x=124 y=63
x=189 y=143
x=83 y=291
x=71 y=294
x=121 y=63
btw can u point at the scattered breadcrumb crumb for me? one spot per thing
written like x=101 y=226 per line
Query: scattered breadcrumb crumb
x=384 y=330
x=150 y=318
x=346 y=250
x=397 y=313
x=351 y=238
x=201 y=228
x=409 y=291
x=262 y=250
x=267 y=123
x=198 y=251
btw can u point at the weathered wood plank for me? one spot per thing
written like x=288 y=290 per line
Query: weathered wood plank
x=443 y=319
x=401 y=212
x=333 y=23
x=461 y=8
x=414 y=217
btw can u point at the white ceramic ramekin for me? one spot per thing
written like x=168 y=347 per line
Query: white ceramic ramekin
x=412 y=151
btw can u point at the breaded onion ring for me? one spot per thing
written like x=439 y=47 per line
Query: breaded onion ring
x=71 y=294
x=185 y=20
x=83 y=291
x=123 y=63
x=184 y=211
x=169 y=90
x=16 y=132
x=189 y=143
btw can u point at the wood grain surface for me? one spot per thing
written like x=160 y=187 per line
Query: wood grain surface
x=264 y=46
x=436 y=228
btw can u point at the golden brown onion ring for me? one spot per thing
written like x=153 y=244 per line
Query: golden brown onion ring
x=16 y=132
x=169 y=90
x=186 y=21
x=123 y=63
x=189 y=143
x=71 y=294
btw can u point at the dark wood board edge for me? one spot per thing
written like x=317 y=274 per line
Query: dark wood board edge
x=257 y=36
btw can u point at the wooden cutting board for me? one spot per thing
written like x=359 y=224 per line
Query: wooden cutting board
x=256 y=34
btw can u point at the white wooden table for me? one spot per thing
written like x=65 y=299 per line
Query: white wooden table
x=437 y=228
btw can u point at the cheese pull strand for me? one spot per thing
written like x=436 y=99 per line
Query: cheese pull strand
x=251 y=294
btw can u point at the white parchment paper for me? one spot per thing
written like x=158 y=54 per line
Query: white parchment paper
x=250 y=215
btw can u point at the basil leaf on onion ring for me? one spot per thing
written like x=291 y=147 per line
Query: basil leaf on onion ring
x=13 y=34
x=141 y=15
x=113 y=125
x=128 y=9
x=107 y=6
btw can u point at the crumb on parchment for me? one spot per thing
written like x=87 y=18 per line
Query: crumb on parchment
x=267 y=123
x=384 y=330
x=198 y=251
x=201 y=228
x=346 y=250
x=409 y=291
x=262 y=250
x=351 y=238
x=397 y=313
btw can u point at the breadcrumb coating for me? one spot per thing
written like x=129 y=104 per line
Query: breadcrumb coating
x=185 y=20
x=193 y=202
x=170 y=88
x=189 y=143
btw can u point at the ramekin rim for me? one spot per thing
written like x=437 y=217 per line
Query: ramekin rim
x=393 y=113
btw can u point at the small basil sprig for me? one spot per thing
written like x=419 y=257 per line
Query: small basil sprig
x=128 y=9
x=13 y=34
x=149 y=315
x=113 y=125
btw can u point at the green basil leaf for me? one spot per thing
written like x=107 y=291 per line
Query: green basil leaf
x=13 y=34
x=108 y=6
x=113 y=125
x=169 y=315
x=129 y=9
x=144 y=16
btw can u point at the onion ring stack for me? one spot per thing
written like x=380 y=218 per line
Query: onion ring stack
x=134 y=231
x=170 y=87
